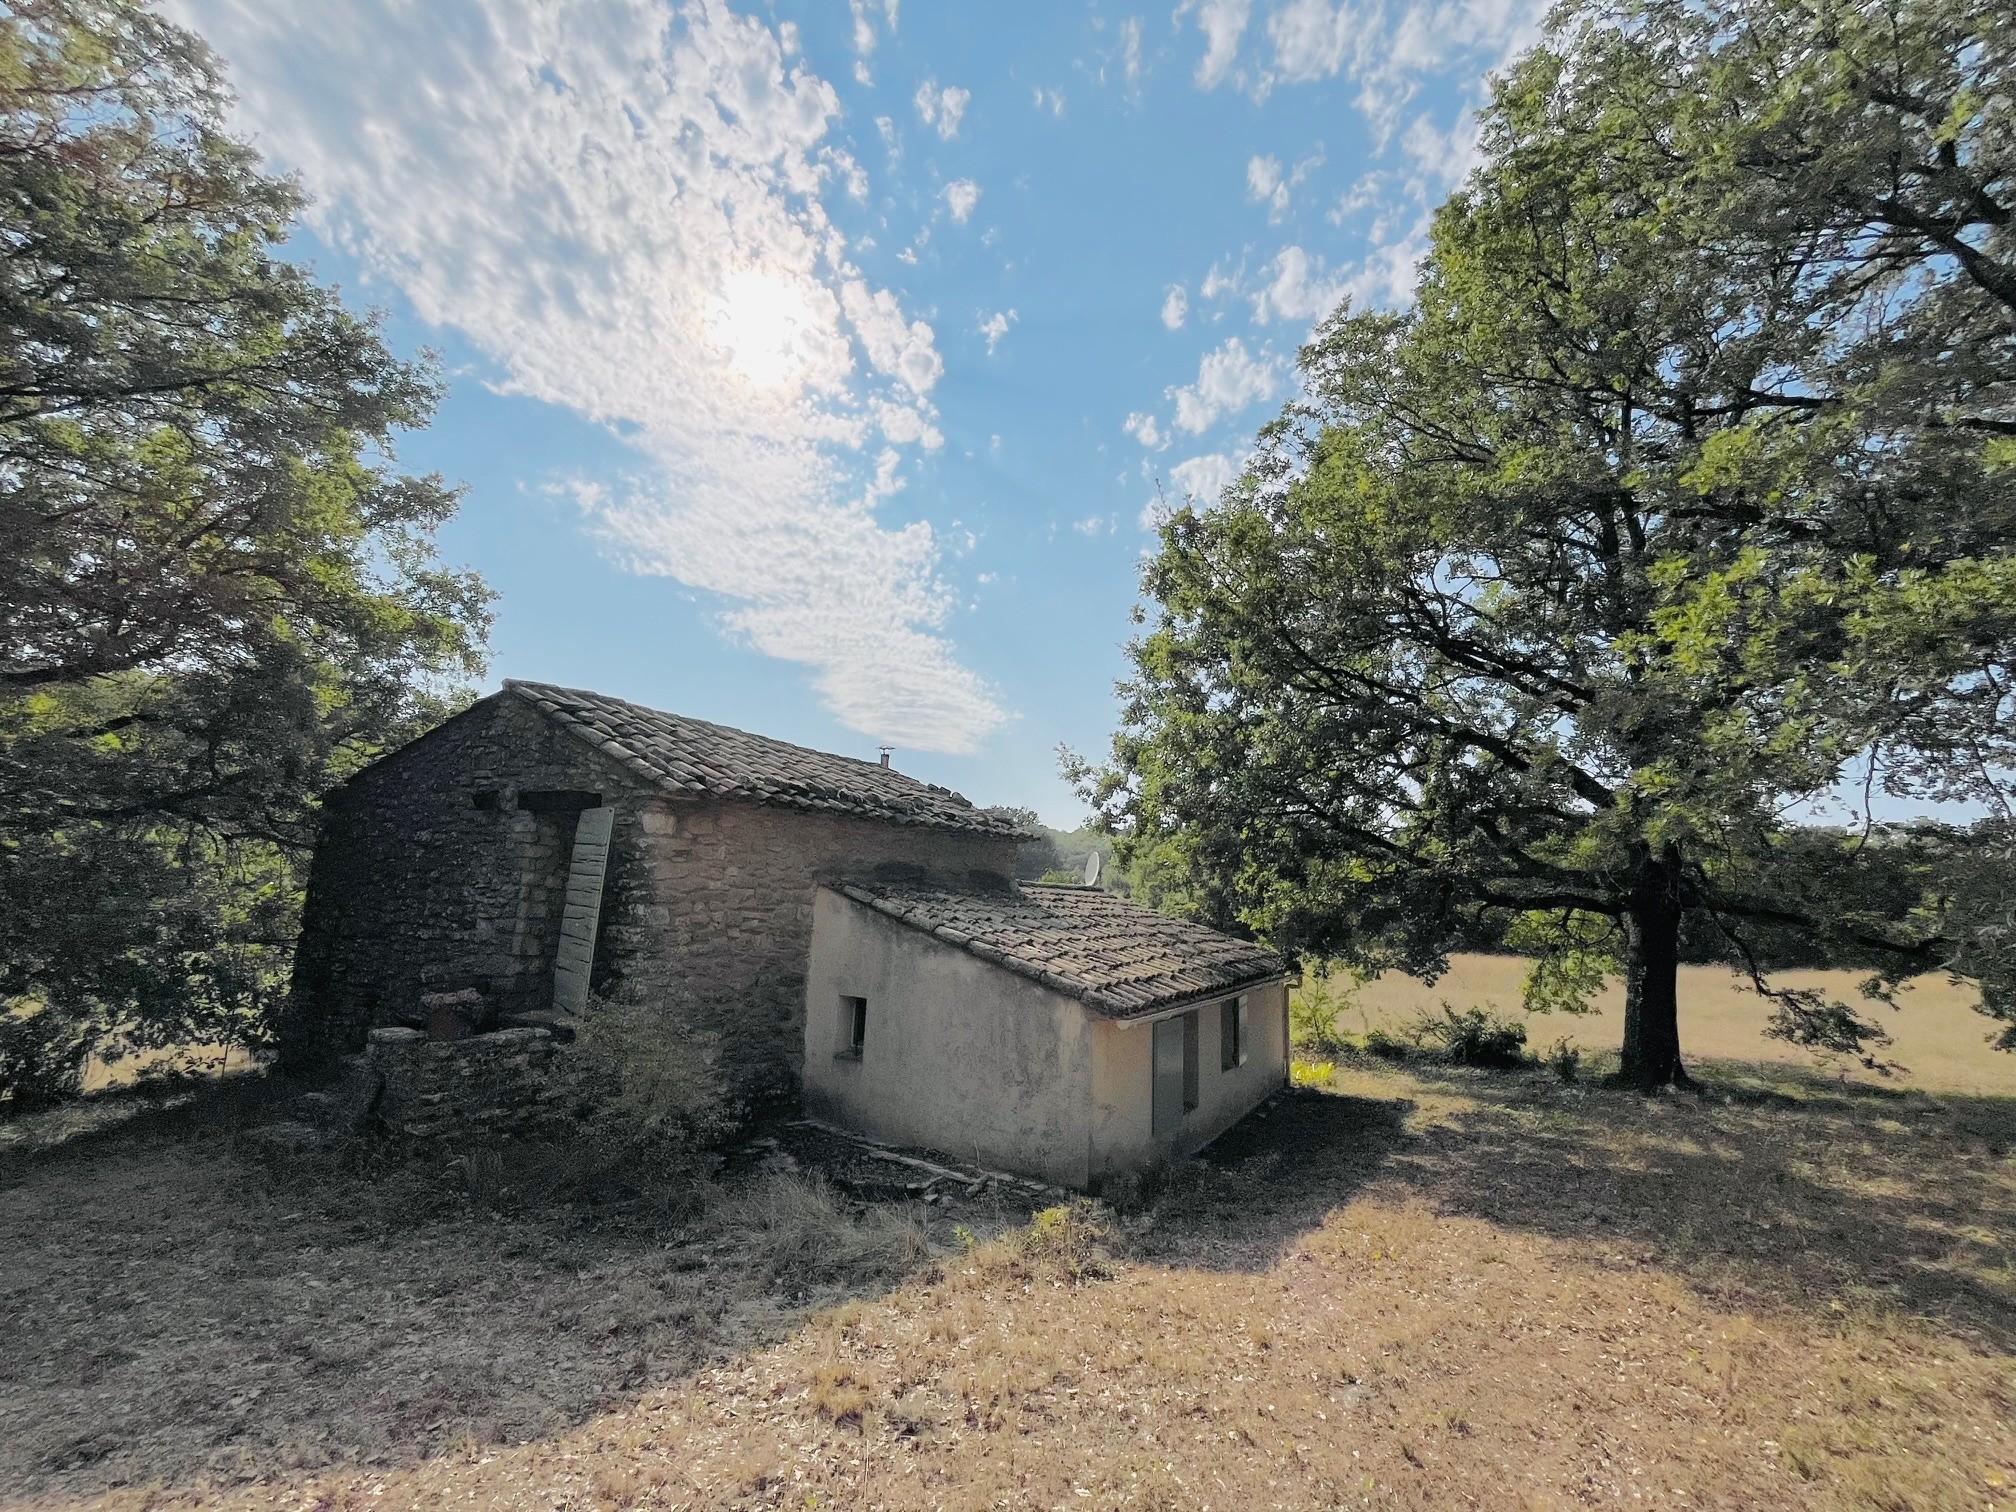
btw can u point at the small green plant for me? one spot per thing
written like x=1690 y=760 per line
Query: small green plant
x=1073 y=1238
x=1305 y=1073
x=1563 y=1058
x=1313 y=1009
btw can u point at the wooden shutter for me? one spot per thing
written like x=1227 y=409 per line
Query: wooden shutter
x=1167 y=1074
x=583 y=913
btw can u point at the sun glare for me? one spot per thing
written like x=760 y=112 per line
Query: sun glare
x=766 y=324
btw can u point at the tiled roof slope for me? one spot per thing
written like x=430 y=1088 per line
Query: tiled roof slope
x=694 y=757
x=1121 y=960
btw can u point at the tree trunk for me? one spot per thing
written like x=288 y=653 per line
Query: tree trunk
x=1651 y=1054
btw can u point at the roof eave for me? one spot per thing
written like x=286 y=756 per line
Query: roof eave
x=1185 y=1004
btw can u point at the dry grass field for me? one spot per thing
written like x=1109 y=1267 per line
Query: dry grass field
x=1938 y=1040
x=1411 y=1286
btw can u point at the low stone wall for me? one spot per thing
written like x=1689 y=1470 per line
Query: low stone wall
x=503 y=1082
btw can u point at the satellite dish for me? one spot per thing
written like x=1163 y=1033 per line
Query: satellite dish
x=1092 y=870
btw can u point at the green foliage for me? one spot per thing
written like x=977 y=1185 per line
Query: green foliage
x=1670 y=503
x=41 y=1058
x=1472 y=1037
x=219 y=596
x=1314 y=1006
x=1564 y=1059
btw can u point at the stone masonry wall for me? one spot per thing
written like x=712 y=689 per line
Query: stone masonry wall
x=706 y=906
x=713 y=918
x=497 y=1083
x=416 y=887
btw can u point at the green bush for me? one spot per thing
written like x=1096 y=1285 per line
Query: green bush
x=1473 y=1037
x=42 y=1055
x=1387 y=1045
x=1563 y=1058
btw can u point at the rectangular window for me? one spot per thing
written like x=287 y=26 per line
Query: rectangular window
x=853 y=1027
x=1232 y=1033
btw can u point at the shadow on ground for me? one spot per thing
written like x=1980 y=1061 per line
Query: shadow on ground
x=180 y=1305
x=1771 y=1189
x=181 y=1301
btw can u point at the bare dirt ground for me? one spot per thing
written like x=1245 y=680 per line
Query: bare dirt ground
x=1410 y=1287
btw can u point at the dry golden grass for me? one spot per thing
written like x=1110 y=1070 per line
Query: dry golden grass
x=1412 y=1288
x=1939 y=1040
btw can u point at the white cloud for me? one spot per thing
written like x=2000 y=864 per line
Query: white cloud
x=1051 y=100
x=1175 y=306
x=1143 y=428
x=960 y=196
x=1298 y=287
x=1222 y=22
x=620 y=206
x=1441 y=159
x=906 y=425
x=1204 y=478
x=995 y=326
x=1266 y=184
x=1218 y=283
x=1095 y=526
x=864 y=29
x=1388 y=50
x=1130 y=51
x=848 y=170
x=900 y=347
x=942 y=108
x=1229 y=378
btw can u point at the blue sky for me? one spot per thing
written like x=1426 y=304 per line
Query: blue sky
x=815 y=369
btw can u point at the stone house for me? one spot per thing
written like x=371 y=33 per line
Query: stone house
x=808 y=923
x=548 y=842
x=1055 y=1030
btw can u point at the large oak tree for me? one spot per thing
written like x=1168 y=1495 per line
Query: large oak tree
x=1681 y=494
x=217 y=590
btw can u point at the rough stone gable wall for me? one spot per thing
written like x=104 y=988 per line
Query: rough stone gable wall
x=414 y=887
x=706 y=908
x=714 y=921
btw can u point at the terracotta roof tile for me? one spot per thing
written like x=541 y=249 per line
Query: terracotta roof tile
x=694 y=757
x=1120 y=959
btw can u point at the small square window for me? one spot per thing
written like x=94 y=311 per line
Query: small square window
x=853 y=1027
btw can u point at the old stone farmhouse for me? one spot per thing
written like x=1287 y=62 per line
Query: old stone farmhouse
x=549 y=844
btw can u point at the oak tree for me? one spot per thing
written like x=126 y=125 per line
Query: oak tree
x=1680 y=495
